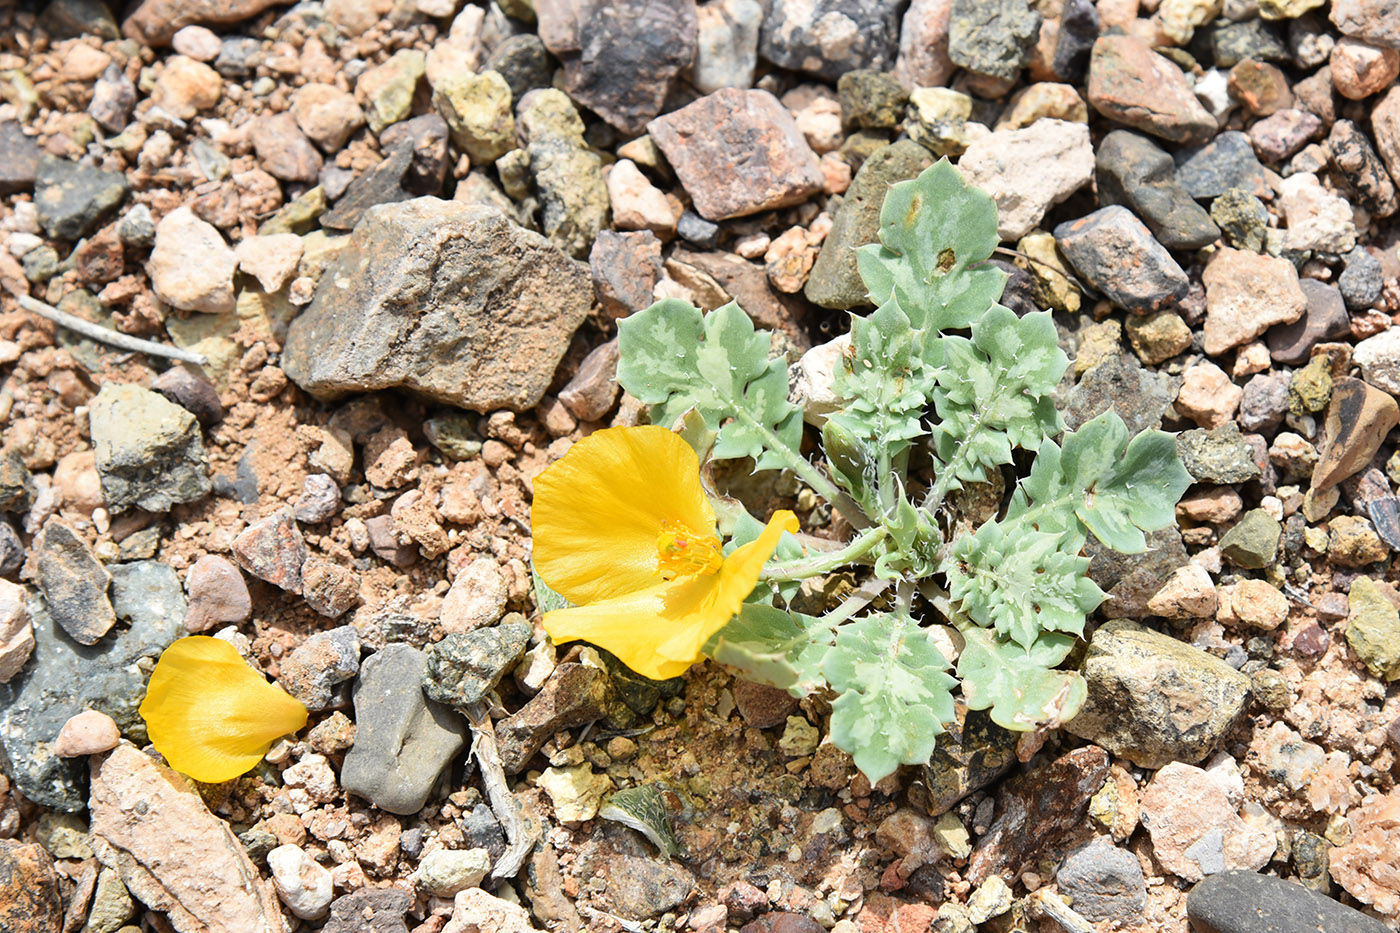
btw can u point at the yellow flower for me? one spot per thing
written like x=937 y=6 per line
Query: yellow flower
x=623 y=529
x=211 y=715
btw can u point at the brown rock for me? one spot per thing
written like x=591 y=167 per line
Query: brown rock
x=1325 y=319
x=1360 y=69
x=1246 y=294
x=574 y=694
x=762 y=706
x=155 y=22
x=1369 y=864
x=29 y=897
x=328 y=587
x=625 y=268
x=172 y=853
x=327 y=115
x=592 y=392
x=1132 y=84
x=1358 y=419
x=90 y=732
x=101 y=258
x=272 y=549
x=777 y=167
x=186 y=87
x=283 y=150
x=1261 y=87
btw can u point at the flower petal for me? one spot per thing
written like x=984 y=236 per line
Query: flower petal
x=598 y=512
x=659 y=631
x=211 y=715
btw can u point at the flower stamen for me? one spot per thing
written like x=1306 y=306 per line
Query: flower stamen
x=682 y=552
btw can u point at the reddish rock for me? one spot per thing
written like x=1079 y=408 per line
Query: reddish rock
x=29 y=898
x=328 y=587
x=1261 y=87
x=101 y=258
x=1132 y=84
x=91 y=732
x=592 y=392
x=625 y=267
x=737 y=153
x=1246 y=294
x=1360 y=68
x=155 y=22
x=923 y=45
x=271 y=549
x=218 y=596
x=283 y=150
x=763 y=706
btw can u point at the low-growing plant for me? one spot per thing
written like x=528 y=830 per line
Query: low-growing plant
x=941 y=377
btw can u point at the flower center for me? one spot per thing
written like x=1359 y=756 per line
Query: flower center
x=681 y=552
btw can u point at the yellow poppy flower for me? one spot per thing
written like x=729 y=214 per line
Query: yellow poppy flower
x=623 y=529
x=211 y=715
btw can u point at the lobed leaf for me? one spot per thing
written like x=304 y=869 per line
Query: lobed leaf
x=1017 y=683
x=936 y=233
x=778 y=648
x=677 y=360
x=894 y=693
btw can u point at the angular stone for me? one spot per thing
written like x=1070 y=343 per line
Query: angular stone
x=726 y=48
x=402 y=739
x=1252 y=542
x=383 y=317
x=29 y=894
x=700 y=140
x=1317 y=218
x=1117 y=254
x=74 y=584
x=327 y=115
x=272 y=549
x=1362 y=169
x=835 y=281
x=1195 y=828
x=1153 y=699
x=996 y=163
x=19 y=159
x=568 y=174
x=153 y=826
x=155 y=22
x=477 y=111
x=370 y=910
x=625 y=269
x=1227 y=161
x=830 y=37
x=283 y=150
x=1246 y=294
x=314 y=668
x=1324 y=318
x=1379 y=359
x=620 y=57
x=1373 y=20
x=992 y=38
x=1132 y=84
x=1358 y=419
x=217 y=594
x=149 y=451
x=16 y=634
x=386 y=91
x=1247 y=902
x=191 y=267
x=1280 y=135
x=463 y=668
x=574 y=694
x=923 y=45
x=972 y=754
x=17 y=489
x=1138 y=395
x=73 y=198
x=1133 y=171
x=593 y=391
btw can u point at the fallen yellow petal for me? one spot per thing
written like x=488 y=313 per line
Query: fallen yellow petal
x=211 y=715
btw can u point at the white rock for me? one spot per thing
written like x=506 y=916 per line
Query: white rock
x=1213 y=91
x=476 y=598
x=302 y=884
x=445 y=872
x=315 y=775
x=726 y=50
x=1317 y=219
x=197 y=42
x=1379 y=359
x=475 y=911
x=270 y=259
x=191 y=267
x=817 y=110
x=16 y=634
x=812 y=379
x=1194 y=828
x=923 y=45
x=21 y=244
x=637 y=204
x=576 y=792
x=1063 y=159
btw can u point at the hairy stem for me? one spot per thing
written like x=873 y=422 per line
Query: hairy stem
x=826 y=561
x=801 y=466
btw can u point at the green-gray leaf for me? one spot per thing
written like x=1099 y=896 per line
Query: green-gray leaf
x=775 y=647
x=1017 y=684
x=895 y=696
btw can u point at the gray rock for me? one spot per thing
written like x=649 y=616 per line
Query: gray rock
x=371 y=910
x=69 y=19
x=992 y=38
x=1104 y=882
x=1361 y=280
x=451 y=301
x=625 y=269
x=19 y=159
x=1254 y=39
x=319 y=499
x=835 y=281
x=113 y=97
x=1365 y=175
x=1375 y=21
x=1217 y=456
x=239 y=56
x=831 y=37
x=1264 y=403
x=1153 y=699
x=1131 y=580
x=1133 y=171
x=726 y=47
x=574 y=694
x=272 y=549
x=871 y=99
x=72 y=198
x=568 y=174
x=415 y=166
x=620 y=57
x=17 y=489
x=137 y=227
x=40 y=264
x=972 y=754
x=1245 y=902
x=1079 y=27
x=1325 y=318
x=149 y=451
x=1116 y=254
x=316 y=666
x=74 y=584
x=61 y=680
x=454 y=434
x=482 y=831
x=1139 y=395
x=524 y=62
x=402 y=740
x=1227 y=161
x=190 y=390
x=148 y=593
x=11 y=549
x=464 y=667
x=698 y=231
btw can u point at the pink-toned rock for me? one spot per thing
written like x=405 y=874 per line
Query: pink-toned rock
x=923 y=45
x=1132 y=84
x=327 y=115
x=817 y=111
x=1255 y=603
x=637 y=204
x=191 y=267
x=1215 y=505
x=203 y=45
x=475 y=911
x=1375 y=21
x=1194 y=827
x=16 y=634
x=1207 y=395
x=1189 y=593
x=76 y=480
x=1385 y=124
x=271 y=259
x=91 y=732
x=477 y=597
x=272 y=549
x=155 y=22
x=1246 y=294
x=390 y=458
x=218 y=594
x=1368 y=866
x=186 y=87
x=283 y=150
x=1360 y=69
x=172 y=853
x=777 y=166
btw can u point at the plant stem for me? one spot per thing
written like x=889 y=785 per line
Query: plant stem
x=110 y=337
x=826 y=561
x=854 y=603
x=797 y=463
